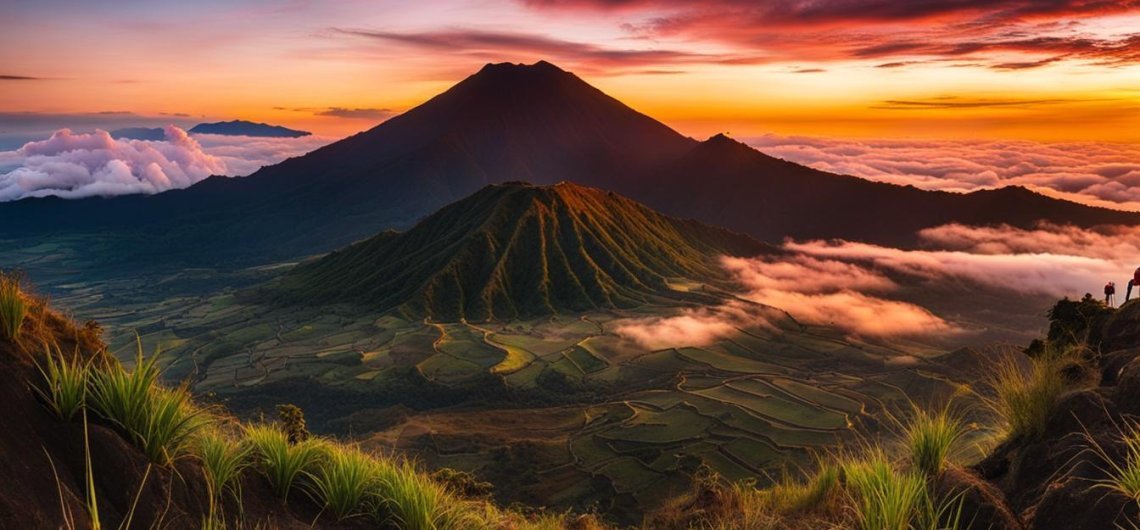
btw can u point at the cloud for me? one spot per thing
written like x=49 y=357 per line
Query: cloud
x=497 y=46
x=356 y=113
x=1116 y=244
x=19 y=78
x=1037 y=33
x=1059 y=273
x=244 y=155
x=845 y=296
x=693 y=327
x=1101 y=174
x=72 y=165
x=834 y=293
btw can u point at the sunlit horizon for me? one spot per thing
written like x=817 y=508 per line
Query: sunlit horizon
x=1006 y=71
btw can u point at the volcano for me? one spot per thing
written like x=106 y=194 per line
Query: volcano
x=511 y=122
x=515 y=250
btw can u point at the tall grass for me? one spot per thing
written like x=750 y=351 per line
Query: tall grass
x=161 y=421
x=881 y=497
x=65 y=380
x=13 y=307
x=1123 y=473
x=343 y=481
x=223 y=460
x=281 y=462
x=932 y=437
x=411 y=501
x=1023 y=397
x=790 y=495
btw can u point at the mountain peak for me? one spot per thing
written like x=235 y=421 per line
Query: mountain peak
x=540 y=66
x=513 y=250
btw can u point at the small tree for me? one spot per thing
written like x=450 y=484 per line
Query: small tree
x=292 y=420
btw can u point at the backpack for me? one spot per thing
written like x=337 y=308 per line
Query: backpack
x=1136 y=277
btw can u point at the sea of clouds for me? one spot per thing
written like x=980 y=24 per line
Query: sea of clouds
x=76 y=165
x=853 y=287
x=1103 y=174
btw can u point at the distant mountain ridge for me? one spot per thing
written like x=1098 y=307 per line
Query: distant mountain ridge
x=513 y=250
x=247 y=128
x=510 y=122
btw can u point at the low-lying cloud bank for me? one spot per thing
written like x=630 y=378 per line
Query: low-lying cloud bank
x=1100 y=174
x=858 y=287
x=75 y=165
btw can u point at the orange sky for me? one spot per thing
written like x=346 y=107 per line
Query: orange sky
x=875 y=68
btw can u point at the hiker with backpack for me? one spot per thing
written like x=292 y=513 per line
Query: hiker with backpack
x=1134 y=282
x=1110 y=294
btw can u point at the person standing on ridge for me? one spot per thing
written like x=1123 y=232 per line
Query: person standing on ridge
x=1134 y=282
x=1110 y=294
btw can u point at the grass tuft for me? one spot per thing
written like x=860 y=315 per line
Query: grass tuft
x=160 y=420
x=65 y=380
x=932 y=437
x=789 y=495
x=281 y=462
x=13 y=307
x=223 y=460
x=1023 y=397
x=1123 y=473
x=410 y=500
x=343 y=481
x=881 y=497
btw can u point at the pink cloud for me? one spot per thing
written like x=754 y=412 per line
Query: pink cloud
x=74 y=165
x=834 y=293
x=692 y=327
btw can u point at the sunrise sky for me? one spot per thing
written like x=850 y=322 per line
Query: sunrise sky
x=1056 y=70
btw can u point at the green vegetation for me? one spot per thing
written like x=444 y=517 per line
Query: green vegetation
x=789 y=495
x=13 y=307
x=412 y=501
x=344 y=481
x=223 y=460
x=292 y=420
x=1025 y=390
x=66 y=381
x=932 y=437
x=1123 y=473
x=161 y=420
x=549 y=249
x=882 y=497
x=281 y=462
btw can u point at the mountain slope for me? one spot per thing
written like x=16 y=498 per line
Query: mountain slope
x=516 y=250
x=506 y=122
x=727 y=183
x=511 y=122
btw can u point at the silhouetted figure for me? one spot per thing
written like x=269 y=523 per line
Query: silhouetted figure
x=1110 y=294
x=1135 y=281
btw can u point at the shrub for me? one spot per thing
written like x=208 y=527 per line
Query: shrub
x=280 y=461
x=292 y=420
x=65 y=380
x=343 y=481
x=931 y=438
x=13 y=307
x=160 y=420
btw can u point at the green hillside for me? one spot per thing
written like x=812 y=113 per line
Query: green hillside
x=514 y=250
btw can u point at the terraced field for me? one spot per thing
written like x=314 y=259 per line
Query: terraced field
x=557 y=411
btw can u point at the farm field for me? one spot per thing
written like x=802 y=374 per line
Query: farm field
x=559 y=411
